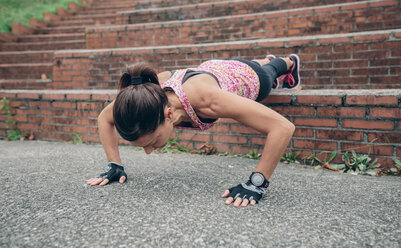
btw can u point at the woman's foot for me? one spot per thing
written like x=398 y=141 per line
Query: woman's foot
x=276 y=82
x=292 y=80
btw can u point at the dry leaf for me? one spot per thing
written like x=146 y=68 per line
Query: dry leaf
x=328 y=166
x=207 y=149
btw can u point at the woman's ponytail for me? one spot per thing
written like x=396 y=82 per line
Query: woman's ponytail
x=137 y=74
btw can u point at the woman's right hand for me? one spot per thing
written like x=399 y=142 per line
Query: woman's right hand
x=115 y=173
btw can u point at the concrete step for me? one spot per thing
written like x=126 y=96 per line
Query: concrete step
x=328 y=19
x=17 y=57
x=214 y=9
x=25 y=71
x=54 y=45
x=326 y=120
x=352 y=60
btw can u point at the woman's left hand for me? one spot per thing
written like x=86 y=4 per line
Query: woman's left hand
x=238 y=201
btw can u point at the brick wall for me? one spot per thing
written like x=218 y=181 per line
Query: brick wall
x=355 y=60
x=326 y=120
x=330 y=19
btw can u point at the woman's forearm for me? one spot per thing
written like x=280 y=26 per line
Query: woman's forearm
x=276 y=143
x=109 y=138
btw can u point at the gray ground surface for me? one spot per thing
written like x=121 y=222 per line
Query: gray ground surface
x=173 y=200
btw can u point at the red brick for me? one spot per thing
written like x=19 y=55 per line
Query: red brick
x=229 y=139
x=53 y=96
x=227 y=120
x=290 y=110
x=258 y=140
x=64 y=105
x=333 y=100
x=39 y=119
x=386 y=112
x=219 y=129
x=26 y=126
x=370 y=37
x=103 y=97
x=76 y=129
x=194 y=136
x=366 y=124
x=78 y=96
x=372 y=100
x=368 y=148
x=340 y=112
x=277 y=99
x=28 y=95
x=63 y=120
x=243 y=129
x=339 y=135
x=315 y=122
x=315 y=145
x=246 y=149
x=383 y=3
x=7 y=95
x=219 y=147
x=385 y=137
x=303 y=132
x=39 y=104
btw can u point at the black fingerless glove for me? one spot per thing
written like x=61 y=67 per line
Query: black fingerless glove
x=251 y=190
x=114 y=173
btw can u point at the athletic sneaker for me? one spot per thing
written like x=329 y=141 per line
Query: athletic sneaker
x=292 y=80
x=276 y=82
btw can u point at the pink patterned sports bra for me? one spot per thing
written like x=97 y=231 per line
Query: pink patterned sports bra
x=233 y=76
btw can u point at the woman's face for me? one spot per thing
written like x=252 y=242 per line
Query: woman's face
x=157 y=139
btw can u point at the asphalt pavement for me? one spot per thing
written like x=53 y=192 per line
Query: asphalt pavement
x=173 y=200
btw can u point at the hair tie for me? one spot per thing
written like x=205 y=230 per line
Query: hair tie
x=136 y=80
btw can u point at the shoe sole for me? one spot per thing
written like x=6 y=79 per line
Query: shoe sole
x=299 y=78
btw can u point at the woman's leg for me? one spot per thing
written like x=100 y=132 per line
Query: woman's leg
x=266 y=61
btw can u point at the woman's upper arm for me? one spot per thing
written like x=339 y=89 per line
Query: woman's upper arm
x=107 y=114
x=164 y=76
x=253 y=114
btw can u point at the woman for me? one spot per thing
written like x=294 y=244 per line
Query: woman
x=149 y=105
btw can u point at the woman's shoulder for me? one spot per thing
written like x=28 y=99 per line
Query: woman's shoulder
x=164 y=76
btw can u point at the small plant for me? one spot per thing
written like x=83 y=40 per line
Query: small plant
x=253 y=154
x=13 y=133
x=290 y=157
x=173 y=146
x=76 y=139
x=397 y=163
x=359 y=163
x=223 y=154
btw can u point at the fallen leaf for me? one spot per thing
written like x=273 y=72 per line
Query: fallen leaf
x=207 y=149
x=328 y=166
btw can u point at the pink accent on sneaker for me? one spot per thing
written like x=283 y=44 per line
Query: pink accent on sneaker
x=289 y=78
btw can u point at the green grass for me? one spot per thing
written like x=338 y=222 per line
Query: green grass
x=20 y=11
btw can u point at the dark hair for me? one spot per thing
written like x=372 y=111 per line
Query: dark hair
x=139 y=109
